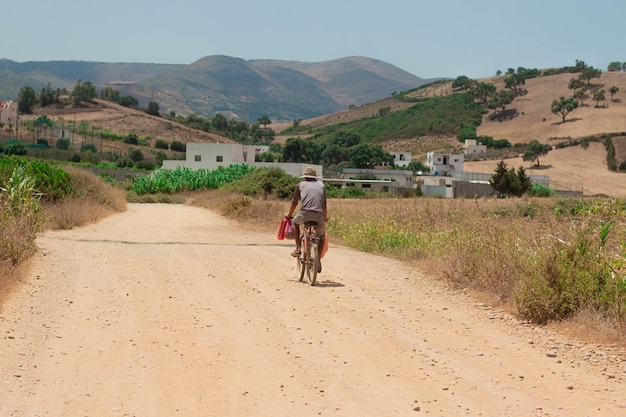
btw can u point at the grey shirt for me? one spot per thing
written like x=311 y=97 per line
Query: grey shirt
x=312 y=194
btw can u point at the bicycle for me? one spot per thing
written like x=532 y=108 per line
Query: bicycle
x=309 y=259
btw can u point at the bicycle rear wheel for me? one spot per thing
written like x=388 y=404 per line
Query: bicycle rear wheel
x=300 y=267
x=311 y=265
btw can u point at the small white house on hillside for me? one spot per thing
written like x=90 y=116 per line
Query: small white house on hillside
x=444 y=164
x=401 y=159
x=472 y=150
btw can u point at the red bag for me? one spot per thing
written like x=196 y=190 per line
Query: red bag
x=289 y=229
x=285 y=229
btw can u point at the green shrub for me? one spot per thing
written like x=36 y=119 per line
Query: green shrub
x=63 y=144
x=161 y=144
x=16 y=147
x=20 y=216
x=131 y=139
x=135 y=154
x=147 y=164
x=538 y=190
x=43 y=143
x=178 y=146
x=88 y=147
x=266 y=182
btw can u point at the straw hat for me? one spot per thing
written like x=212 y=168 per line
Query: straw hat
x=309 y=173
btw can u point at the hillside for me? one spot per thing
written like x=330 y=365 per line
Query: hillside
x=246 y=90
x=532 y=119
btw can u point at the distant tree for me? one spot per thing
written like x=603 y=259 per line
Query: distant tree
x=26 y=100
x=614 y=66
x=590 y=73
x=345 y=139
x=580 y=65
x=534 y=150
x=564 y=106
x=581 y=95
x=334 y=154
x=461 y=82
x=483 y=91
x=366 y=156
x=264 y=120
x=383 y=111
x=613 y=90
x=219 y=122
x=153 y=108
x=110 y=94
x=417 y=167
x=598 y=96
x=575 y=84
x=49 y=96
x=509 y=182
x=295 y=150
x=500 y=100
x=515 y=80
x=83 y=92
x=129 y=101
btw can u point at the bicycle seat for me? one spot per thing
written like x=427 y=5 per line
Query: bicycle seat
x=309 y=224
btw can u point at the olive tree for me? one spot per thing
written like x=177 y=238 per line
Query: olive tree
x=564 y=106
x=534 y=150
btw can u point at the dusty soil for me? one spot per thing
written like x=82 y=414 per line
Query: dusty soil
x=164 y=310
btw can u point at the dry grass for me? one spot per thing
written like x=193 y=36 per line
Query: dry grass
x=488 y=247
x=94 y=200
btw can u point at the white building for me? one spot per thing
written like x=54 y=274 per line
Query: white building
x=401 y=159
x=444 y=164
x=472 y=150
x=213 y=155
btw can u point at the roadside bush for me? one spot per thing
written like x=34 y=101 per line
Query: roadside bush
x=265 y=183
x=21 y=218
x=50 y=181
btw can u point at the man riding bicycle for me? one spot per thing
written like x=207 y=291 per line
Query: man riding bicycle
x=312 y=194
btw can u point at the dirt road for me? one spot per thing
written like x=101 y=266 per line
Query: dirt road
x=169 y=310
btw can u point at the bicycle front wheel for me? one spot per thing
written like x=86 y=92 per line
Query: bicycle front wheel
x=312 y=264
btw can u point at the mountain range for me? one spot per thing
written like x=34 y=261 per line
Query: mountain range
x=237 y=88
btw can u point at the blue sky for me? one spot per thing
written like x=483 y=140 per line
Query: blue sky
x=428 y=38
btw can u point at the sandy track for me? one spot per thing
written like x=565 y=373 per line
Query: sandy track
x=168 y=310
